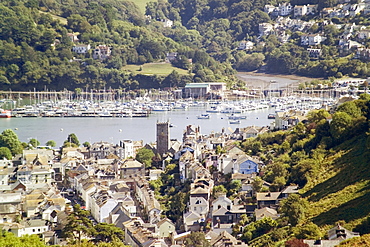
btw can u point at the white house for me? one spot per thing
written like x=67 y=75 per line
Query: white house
x=102 y=52
x=166 y=228
x=245 y=45
x=81 y=49
x=311 y=39
x=364 y=34
x=269 y=8
x=101 y=204
x=300 y=10
x=27 y=227
x=167 y=23
x=222 y=201
x=199 y=205
x=87 y=189
x=5 y=173
x=285 y=9
x=128 y=149
x=265 y=28
x=311 y=9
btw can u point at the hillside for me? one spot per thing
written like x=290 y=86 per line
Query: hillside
x=356 y=242
x=53 y=46
x=328 y=158
x=343 y=190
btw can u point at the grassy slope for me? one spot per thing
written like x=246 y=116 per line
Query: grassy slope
x=356 y=242
x=154 y=68
x=61 y=19
x=344 y=187
x=142 y=4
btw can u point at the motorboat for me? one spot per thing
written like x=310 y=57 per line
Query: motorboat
x=234 y=122
x=204 y=116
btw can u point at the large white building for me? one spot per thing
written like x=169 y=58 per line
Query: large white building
x=198 y=90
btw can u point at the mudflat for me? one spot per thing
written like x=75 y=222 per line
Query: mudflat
x=264 y=80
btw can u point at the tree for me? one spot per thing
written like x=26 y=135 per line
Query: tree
x=10 y=140
x=172 y=80
x=250 y=62
x=258 y=228
x=219 y=190
x=350 y=108
x=196 y=239
x=86 y=144
x=295 y=243
x=145 y=156
x=34 y=142
x=72 y=139
x=9 y=239
x=257 y=184
x=234 y=187
x=5 y=153
x=177 y=206
x=315 y=116
x=340 y=124
x=294 y=208
x=78 y=225
x=51 y=143
x=108 y=232
x=307 y=231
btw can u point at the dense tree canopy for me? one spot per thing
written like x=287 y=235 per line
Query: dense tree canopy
x=196 y=239
x=10 y=140
x=79 y=225
x=8 y=239
x=145 y=156
x=5 y=153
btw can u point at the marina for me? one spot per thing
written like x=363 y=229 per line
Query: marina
x=136 y=120
x=144 y=107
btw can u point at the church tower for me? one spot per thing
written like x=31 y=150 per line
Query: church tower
x=163 y=137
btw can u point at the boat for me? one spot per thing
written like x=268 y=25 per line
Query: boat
x=234 y=122
x=204 y=116
x=271 y=116
x=5 y=114
x=214 y=109
x=236 y=117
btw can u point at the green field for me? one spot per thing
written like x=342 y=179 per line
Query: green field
x=142 y=4
x=154 y=68
x=61 y=19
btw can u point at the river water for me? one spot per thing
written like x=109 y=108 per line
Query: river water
x=115 y=129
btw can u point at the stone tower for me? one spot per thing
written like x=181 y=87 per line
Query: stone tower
x=163 y=137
